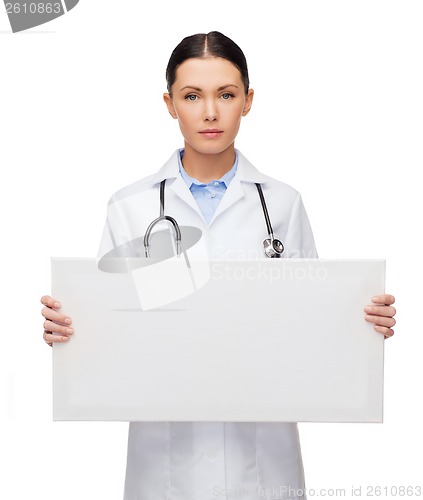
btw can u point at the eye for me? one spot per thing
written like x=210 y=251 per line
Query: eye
x=226 y=96
x=191 y=97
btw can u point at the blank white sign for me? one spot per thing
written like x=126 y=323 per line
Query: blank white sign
x=268 y=340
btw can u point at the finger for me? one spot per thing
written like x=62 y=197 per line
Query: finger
x=52 y=327
x=381 y=310
x=50 y=338
x=55 y=316
x=387 y=332
x=48 y=301
x=381 y=320
x=386 y=299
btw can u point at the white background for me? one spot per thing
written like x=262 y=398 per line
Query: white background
x=337 y=114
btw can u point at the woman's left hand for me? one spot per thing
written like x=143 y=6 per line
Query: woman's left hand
x=382 y=313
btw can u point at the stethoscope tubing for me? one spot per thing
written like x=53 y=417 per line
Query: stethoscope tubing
x=160 y=218
x=265 y=212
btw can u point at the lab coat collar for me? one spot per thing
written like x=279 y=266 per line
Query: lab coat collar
x=246 y=172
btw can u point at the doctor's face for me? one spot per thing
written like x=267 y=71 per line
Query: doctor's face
x=208 y=100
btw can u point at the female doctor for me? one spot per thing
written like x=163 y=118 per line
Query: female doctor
x=211 y=185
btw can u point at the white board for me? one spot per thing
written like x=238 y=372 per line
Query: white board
x=268 y=340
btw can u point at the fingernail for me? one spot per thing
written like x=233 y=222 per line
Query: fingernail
x=69 y=331
x=376 y=298
x=57 y=305
x=68 y=321
x=65 y=339
x=368 y=309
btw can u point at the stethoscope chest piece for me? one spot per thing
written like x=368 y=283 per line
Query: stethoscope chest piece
x=273 y=248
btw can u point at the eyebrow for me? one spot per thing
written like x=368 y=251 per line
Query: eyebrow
x=223 y=87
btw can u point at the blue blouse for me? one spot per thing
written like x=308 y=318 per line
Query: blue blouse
x=208 y=195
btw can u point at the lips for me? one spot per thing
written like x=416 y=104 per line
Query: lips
x=211 y=132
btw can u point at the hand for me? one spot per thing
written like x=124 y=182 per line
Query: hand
x=382 y=314
x=56 y=324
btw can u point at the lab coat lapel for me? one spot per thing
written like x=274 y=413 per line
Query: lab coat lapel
x=180 y=188
x=233 y=193
x=175 y=183
x=246 y=172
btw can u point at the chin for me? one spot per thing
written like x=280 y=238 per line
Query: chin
x=211 y=148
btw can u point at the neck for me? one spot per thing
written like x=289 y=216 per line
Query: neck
x=206 y=167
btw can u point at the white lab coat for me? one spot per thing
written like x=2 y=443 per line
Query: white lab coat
x=214 y=460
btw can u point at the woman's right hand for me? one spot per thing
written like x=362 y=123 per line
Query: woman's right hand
x=56 y=325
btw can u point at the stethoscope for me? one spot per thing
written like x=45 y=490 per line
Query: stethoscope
x=273 y=247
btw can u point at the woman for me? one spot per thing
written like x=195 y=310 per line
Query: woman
x=208 y=93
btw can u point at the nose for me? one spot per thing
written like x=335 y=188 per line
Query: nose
x=210 y=110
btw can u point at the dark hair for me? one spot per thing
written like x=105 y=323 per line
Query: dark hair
x=213 y=44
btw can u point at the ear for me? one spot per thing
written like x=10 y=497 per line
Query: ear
x=168 y=100
x=248 y=102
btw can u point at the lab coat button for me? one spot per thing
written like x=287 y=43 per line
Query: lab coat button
x=211 y=455
x=216 y=183
x=213 y=195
